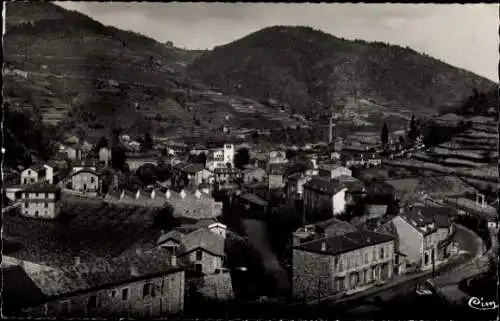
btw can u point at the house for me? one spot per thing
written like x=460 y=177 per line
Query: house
x=141 y=284
x=73 y=140
x=226 y=175
x=105 y=155
x=333 y=170
x=252 y=174
x=195 y=173
x=276 y=175
x=85 y=181
x=203 y=248
x=341 y=264
x=74 y=152
x=134 y=146
x=39 y=201
x=220 y=157
x=171 y=240
x=446 y=229
x=295 y=185
x=37 y=174
x=418 y=238
x=321 y=194
x=277 y=157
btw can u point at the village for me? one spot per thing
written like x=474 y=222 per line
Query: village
x=151 y=226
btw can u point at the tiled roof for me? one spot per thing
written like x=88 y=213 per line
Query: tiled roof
x=437 y=214
x=37 y=168
x=323 y=185
x=224 y=170
x=88 y=276
x=171 y=235
x=351 y=183
x=415 y=217
x=18 y=290
x=85 y=170
x=295 y=176
x=345 y=243
x=335 y=226
x=205 y=240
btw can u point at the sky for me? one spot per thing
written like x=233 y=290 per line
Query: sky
x=465 y=36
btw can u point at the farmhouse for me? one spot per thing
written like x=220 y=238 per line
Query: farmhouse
x=85 y=181
x=204 y=248
x=39 y=201
x=37 y=174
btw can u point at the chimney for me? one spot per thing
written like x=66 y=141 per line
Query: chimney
x=173 y=260
x=77 y=260
x=323 y=246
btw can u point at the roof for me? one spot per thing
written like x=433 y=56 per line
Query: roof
x=438 y=214
x=425 y=224
x=36 y=168
x=225 y=170
x=193 y=168
x=41 y=188
x=85 y=170
x=277 y=169
x=18 y=290
x=339 y=244
x=252 y=198
x=336 y=227
x=173 y=235
x=84 y=277
x=203 y=239
x=322 y=185
x=351 y=183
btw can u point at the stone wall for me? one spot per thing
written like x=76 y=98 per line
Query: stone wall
x=311 y=275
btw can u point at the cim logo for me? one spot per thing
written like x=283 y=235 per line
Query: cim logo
x=481 y=304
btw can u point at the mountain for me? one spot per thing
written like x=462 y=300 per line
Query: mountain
x=86 y=78
x=309 y=70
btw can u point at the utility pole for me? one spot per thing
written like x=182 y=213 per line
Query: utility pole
x=433 y=264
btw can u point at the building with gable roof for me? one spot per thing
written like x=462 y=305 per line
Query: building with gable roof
x=324 y=194
x=205 y=249
x=141 y=284
x=343 y=263
x=277 y=175
x=85 y=181
x=418 y=237
x=39 y=201
x=37 y=174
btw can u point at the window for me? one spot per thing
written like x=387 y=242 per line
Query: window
x=92 y=302
x=148 y=290
x=46 y=195
x=125 y=294
x=25 y=181
x=25 y=195
x=366 y=258
x=340 y=265
x=113 y=293
x=45 y=309
x=46 y=205
x=36 y=194
x=29 y=172
x=199 y=255
x=381 y=253
x=198 y=268
x=92 y=180
x=36 y=213
x=26 y=204
x=64 y=307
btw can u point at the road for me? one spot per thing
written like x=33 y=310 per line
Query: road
x=400 y=299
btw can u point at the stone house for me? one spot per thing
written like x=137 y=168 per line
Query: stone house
x=226 y=175
x=195 y=173
x=74 y=152
x=148 y=284
x=134 y=161
x=333 y=170
x=277 y=157
x=445 y=228
x=276 y=174
x=341 y=264
x=220 y=157
x=323 y=194
x=85 y=181
x=203 y=248
x=418 y=238
x=37 y=174
x=39 y=201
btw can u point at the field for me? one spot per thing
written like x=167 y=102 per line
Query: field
x=434 y=186
x=89 y=231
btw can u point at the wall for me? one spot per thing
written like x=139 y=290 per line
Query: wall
x=169 y=299
x=218 y=287
x=410 y=240
x=314 y=200
x=104 y=155
x=46 y=205
x=134 y=164
x=84 y=179
x=209 y=262
x=339 y=202
x=29 y=176
x=49 y=174
x=311 y=275
x=276 y=181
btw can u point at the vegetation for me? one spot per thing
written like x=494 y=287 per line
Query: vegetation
x=384 y=136
x=286 y=64
x=241 y=158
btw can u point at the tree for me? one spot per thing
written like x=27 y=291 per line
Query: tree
x=102 y=142
x=147 y=144
x=413 y=130
x=384 y=136
x=147 y=174
x=241 y=158
x=118 y=158
x=290 y=153
x=164 y=218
